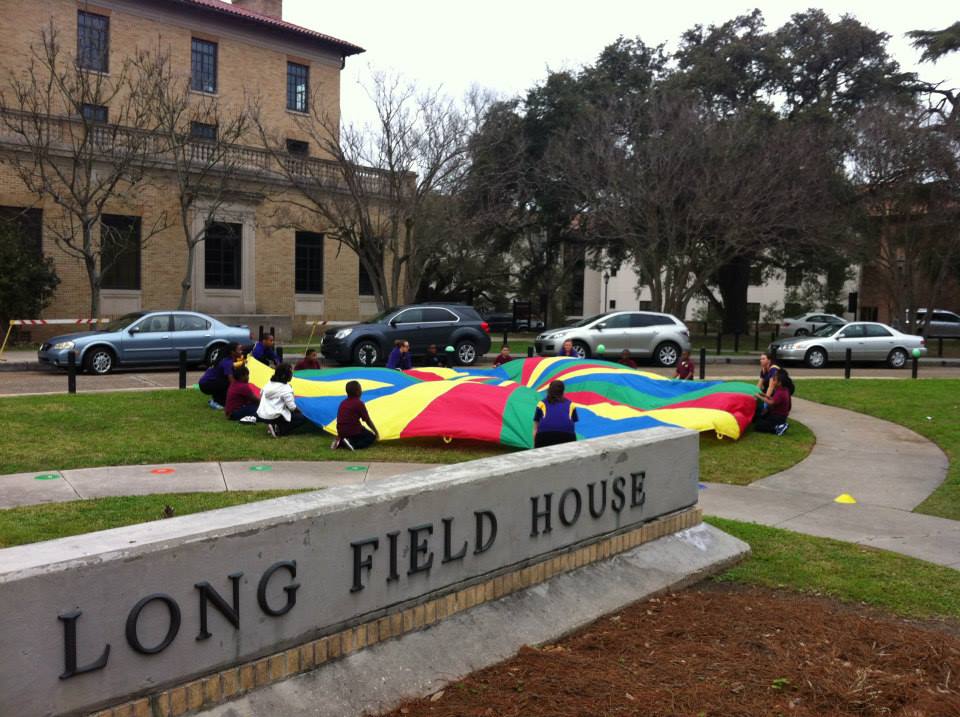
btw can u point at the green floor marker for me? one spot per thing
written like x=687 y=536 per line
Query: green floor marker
x=356 y=468
x=47 y=476
x=261 y=468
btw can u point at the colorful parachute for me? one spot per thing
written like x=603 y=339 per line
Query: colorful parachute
x=497 y=404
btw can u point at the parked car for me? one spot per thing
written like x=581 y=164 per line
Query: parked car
x=867 y=341
x=369 y=343
x=943 y=324
x=145 y=338
x=642 y=333
x=499 y=322
x=808 y=323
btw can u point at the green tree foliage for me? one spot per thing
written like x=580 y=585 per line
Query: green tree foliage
x=27 y=280
x=936 y=43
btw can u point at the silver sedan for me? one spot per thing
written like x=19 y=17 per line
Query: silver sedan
x=867 y=341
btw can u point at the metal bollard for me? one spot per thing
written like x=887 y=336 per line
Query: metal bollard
x=280 y=353
x=846 y=363
x=756 y=339
x=719 y=344
x=273 y=332
x=260 y=333
x=529 y=351
x=506 y=338
x=703 y=363
x=72 y=372
x=183 y=369
x=914 y=367
x=736 y=343
x=940 y=347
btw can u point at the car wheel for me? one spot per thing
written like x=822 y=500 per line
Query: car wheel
x=581 y=350
x=366 y=353
x=99 y=360
x=466 y=353
x=215 y=354
x=897 y=358
x=816 y=358
x=667 y=354
x=802 y=332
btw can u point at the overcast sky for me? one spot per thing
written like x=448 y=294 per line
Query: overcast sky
x=508 y=46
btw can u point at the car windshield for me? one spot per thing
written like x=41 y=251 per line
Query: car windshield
x=121 y=322
x=588 y=320
x=828 y=330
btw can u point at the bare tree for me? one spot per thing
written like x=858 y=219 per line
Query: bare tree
x=67 y=152
x=371 y=191
x=198 y=143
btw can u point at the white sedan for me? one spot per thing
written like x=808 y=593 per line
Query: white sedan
x=867 y=341
x=808 y=323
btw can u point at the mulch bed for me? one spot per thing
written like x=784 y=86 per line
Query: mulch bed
x=722 y=651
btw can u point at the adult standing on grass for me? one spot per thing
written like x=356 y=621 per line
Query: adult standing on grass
x=351 y=433
x=554 y=419
x=774 y=420
x=264 y=352
x=400 y=357
x=277 y=407
x=217 y=378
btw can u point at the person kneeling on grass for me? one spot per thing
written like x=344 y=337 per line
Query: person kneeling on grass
x=350 y=431
x=217 y=378
x=277 y=407
x=502 y=357
x=242 y=402
x=774 y=419
x=400 y=357
x=554 y=418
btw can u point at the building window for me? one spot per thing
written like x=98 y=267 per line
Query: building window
x=120 y=252
x=308 y=269
x=298 y=87
x=794 y=276
x=27 y=224
x=93 y=41
x=203 y=66
x=298 y=147
x=756 y=275
x=364 y=285
x=200 y=130
x=95 y=113
x=222 y=252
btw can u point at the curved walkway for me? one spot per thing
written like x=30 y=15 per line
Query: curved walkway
x=887 y=469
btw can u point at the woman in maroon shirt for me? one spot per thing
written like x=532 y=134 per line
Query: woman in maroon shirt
x=351 y=433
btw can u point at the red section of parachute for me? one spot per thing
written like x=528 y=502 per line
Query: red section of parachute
x=740 y=405
x=446 y=416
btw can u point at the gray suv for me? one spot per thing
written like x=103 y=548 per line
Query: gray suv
x=643 y=333
x=945 y=324
x=370 y=343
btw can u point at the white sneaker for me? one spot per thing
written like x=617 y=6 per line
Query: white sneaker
x=335 y=445
x=345 y=442
x=248 y=419
x=272 y=430
x=782 y=428
x=214 y=405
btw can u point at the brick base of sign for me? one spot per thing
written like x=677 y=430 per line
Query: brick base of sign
x=228 y=684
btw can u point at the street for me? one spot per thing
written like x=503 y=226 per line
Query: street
x=41 y=380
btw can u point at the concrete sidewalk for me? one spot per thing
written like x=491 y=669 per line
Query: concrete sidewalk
x=888 y=470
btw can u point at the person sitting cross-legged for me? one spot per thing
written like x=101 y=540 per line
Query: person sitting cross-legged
x=241 y=402
x=351 y=432
x=774 y=419
x=277 y=407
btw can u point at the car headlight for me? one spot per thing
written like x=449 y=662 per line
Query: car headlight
x=343 y=333
x=559 y=335
x=63 y=345
x=801 y=345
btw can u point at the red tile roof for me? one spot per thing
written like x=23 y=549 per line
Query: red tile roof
x=343 y=47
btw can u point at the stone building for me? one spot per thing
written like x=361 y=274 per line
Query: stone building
x=251 y=266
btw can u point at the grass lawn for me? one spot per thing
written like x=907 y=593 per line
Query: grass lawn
x=31 y=524
x=754 y=456
x=930 y=407
x=845 y=571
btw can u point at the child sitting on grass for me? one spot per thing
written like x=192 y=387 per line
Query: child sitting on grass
x=502 y=357
x=774 y=420
x=277 y=407
x=241 y=401
x=351 y=433
x=308 y=362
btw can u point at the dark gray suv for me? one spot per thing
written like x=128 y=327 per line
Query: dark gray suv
x=370 y=343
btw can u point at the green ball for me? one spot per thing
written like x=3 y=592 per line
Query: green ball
x=601 y=348
x=449 y=349
x=916 y=353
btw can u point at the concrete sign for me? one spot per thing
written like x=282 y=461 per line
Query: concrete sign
x=91 y=620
